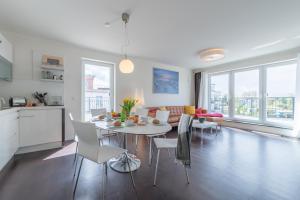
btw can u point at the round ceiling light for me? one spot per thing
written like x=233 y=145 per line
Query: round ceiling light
x=209 y=55
x=126 y=66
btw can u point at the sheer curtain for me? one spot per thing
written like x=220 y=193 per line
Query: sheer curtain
x=296 y=131
x=201 y=87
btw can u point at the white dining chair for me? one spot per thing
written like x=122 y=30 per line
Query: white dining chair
x=105 y=133
x=168 y=143
x=100 y=138
x=142 y=113
x=98 y=111
x=75 y=137
x=163 y=117
x=88 y=148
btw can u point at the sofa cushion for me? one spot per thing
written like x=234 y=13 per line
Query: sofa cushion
x=152 y=111
x=190 y=110
x=162 y=108
x=174 y=118
x=198 y=111
x=175 y=110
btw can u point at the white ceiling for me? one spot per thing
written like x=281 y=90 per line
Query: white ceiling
x=169 y=31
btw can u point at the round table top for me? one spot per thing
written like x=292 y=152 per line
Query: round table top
x=148 y=129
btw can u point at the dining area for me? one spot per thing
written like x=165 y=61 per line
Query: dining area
x=112 y=142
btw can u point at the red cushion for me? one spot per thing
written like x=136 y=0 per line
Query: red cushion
x=198 y=111
x=210 y=115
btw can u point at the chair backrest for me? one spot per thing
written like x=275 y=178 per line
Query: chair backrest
x=184 y=123
x=162 y=115
x=142 y=112
x=98 y=111
x=71 y=116
x=183 y=150
x=88 y=145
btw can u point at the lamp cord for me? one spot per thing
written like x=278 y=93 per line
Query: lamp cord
x=126 y=41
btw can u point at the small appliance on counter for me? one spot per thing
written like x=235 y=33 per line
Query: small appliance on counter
x=17 y=101
x=55 y=101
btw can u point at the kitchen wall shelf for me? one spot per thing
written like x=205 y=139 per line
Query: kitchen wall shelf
x=53 y=67
x=52 y=80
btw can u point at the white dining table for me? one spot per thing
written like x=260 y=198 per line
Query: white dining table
x=120 y=164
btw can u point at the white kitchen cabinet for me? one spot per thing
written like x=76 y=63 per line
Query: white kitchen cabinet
x=40 y=126
x=9 y=140
x=6 y=49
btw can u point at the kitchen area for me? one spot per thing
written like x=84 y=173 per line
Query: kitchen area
x=32 y=119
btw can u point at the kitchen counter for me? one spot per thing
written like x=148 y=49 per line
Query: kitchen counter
x=16 y=109
x=8 y=110
x=41 y=108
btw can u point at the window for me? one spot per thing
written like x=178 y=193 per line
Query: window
x=280 y=93
x=263 y=94
x=246 y=94
x=219 y=93
x=98 y=87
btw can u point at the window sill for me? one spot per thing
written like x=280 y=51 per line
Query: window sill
x=257 y=123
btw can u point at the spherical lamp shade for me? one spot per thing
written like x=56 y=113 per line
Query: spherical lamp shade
x=126 y=66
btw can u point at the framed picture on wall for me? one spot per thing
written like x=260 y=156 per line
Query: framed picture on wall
x=165 y=81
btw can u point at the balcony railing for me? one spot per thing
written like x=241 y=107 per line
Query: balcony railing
x=96 y=103
x=276 y=107
x=280 y=107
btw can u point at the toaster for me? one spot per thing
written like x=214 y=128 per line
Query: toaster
x=17 y=101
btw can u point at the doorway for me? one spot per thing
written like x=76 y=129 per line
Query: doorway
x=98 y=87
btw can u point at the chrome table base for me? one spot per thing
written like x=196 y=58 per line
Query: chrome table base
x=120 y=164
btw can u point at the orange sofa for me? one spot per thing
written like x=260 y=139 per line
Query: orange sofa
x=175 y=113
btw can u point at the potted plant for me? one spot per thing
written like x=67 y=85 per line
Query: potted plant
x=128 y=104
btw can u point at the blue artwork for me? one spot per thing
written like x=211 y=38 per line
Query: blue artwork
x=165 y=81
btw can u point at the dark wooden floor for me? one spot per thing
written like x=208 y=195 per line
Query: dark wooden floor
x=232 y=165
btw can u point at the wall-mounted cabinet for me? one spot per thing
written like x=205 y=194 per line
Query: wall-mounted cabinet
x=6 y=49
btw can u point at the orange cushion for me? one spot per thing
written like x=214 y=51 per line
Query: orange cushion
x=190 y=110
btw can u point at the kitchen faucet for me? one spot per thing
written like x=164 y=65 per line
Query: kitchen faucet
x=2 y=102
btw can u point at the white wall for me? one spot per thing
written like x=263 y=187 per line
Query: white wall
x=140 y=80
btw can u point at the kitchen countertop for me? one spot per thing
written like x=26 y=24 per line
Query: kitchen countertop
x=15 y=109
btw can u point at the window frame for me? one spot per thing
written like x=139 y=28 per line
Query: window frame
x=209 y=90
x=262 y=68
x=233 y=117
x=112 y=88
x=270 y=123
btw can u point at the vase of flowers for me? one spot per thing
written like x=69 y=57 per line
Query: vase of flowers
x=128 y=104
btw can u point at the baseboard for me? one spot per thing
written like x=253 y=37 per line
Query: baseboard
x=5 y=170
x=40 y=147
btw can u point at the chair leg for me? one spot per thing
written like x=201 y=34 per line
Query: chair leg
x=75 y=156
x=168 y=149
x=77 y=177
x=187 y=175
x=103 y=180
x=157 y=159
x=131 y=176
x=76 y=167
x=105 y=168
x=136 y=140
x=150 y=150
